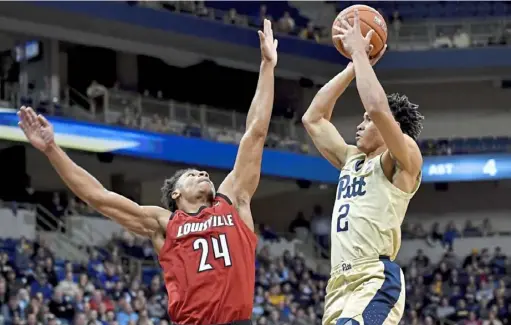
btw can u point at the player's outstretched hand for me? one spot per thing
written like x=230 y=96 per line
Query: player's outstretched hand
x=268 y=44
x=351 y=36
x=367 y=39
x=36 y=128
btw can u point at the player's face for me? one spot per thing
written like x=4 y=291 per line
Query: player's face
x=368 y=137
x=195 y=183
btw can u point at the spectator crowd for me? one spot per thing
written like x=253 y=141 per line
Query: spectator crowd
x=37 y=288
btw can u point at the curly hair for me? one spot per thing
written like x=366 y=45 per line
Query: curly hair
x=169 y=186
x=407 y=114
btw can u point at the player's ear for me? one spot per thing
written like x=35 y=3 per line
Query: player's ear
x=176 y=194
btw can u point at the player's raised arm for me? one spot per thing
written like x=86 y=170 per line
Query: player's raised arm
x=241 y=184
x=317 y=119
x=402 y=148
x=138 y=219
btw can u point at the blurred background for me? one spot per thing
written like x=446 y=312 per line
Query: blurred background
x=138 y=89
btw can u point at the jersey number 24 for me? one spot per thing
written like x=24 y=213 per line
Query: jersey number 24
x=220 y=250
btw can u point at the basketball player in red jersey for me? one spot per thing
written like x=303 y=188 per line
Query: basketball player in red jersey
x=207 y=245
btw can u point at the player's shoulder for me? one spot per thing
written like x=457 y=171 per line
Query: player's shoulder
x=415 y=155
x=414 y=146
x=414 y=160
x=153 y=211
x=159 y=214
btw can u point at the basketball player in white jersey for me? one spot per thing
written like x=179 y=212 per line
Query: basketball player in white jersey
x=378 y=177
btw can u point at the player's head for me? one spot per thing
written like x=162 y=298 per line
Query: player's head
x=189 y=185
x=406 y=115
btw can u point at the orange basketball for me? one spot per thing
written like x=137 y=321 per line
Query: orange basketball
x=369 y=19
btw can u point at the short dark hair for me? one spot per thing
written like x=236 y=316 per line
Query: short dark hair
x=169 y=186
x=407 y=114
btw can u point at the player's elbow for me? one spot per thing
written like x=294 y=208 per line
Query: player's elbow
x=307 y=120
x=310 y=123
x=313 y=114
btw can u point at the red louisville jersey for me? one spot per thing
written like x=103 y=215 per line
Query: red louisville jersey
x=208 y=262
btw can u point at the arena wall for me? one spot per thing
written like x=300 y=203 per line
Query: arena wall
x=17 y=223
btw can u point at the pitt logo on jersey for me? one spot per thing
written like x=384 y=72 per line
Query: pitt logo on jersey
x=351 y=187
x=348 y=188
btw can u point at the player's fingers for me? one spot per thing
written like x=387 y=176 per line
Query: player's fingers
x=261 y=35
x=382 y=51
x=32 y=117
x=345 y=24
x=356 y=20
x=267 y=27
x=22 y=115
x=275 y=43
x=369 y=35
x=340 y=29
x=27 y=118
x=41 y=119
x=379 y=56
x=23 y=126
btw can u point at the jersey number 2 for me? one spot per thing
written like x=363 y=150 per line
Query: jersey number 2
x=220 y=250
x=342 y=218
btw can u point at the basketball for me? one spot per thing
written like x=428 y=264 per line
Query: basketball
x=370 y=18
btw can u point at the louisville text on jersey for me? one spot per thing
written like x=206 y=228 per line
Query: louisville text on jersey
x=212 y=222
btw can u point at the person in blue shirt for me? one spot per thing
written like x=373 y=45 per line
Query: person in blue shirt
x=126 y=313
x=41 y=284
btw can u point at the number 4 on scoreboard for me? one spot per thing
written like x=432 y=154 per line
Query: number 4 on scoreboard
x=490 y=168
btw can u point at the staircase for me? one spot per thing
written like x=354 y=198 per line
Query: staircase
x=50 y=229
x=76 y=104
x=82 y=234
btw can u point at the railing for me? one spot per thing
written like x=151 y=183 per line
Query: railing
x=53 y=224
x=46 y=218
x=179 y=115
x=87 y=231
x=413 y=35
x=421 y=35
x=77 y=104
x=73 y=239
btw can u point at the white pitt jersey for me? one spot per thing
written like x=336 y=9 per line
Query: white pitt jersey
x=368 y=212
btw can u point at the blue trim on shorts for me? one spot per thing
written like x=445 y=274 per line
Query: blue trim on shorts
x=386 y=297
x=347 y=321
